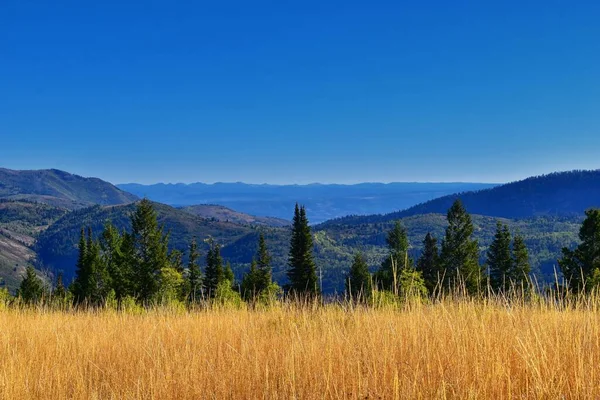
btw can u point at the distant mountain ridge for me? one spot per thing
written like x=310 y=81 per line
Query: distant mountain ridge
x=59 y=188
x=323 y=201
x=559 y=194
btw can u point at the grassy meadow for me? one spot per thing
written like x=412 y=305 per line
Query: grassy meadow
x=448 y=349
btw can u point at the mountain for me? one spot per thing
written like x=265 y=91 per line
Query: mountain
x=566 y=194
x=220 y=213
x=59 y=188
x=323 y=202
x=20 y=222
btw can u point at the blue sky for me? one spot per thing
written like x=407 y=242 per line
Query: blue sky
x=297 y=92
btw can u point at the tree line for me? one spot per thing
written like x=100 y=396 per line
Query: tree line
x=137 y=266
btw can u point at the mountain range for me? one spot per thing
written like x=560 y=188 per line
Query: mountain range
x=322 y=201
x=40 y=222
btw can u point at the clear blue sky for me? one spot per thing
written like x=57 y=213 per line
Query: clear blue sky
x=302 y=91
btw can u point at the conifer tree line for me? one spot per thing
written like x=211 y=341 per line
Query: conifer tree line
x=138 y=265
x=439 y=269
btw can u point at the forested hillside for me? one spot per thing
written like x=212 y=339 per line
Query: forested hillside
x=60 y=189
x=557 y=194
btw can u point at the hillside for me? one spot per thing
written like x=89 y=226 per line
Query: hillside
x=322 y=201
x=56 y=246
x=559 y=194
x=59 y=188
x=224 y=214
x=20 y=223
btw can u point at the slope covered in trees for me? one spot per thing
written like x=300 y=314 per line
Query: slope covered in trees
x=557 y=194
x=60 y=188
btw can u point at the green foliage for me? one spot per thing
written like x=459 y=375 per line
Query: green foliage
x=227 y=297
x=258 y=279
x=580 y=264
x=302 y=271
x=460 y=253
x=215 y=273
x=521 y=267
x=194 y=274
x=412 y=284
x=32 y=290
x=150 y=251
x=499 y=260
x=398 y=246
x=429 y=263
x=5 y=298
x=359 y=280
x=170 y=285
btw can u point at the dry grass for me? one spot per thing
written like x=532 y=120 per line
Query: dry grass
x=447 y=350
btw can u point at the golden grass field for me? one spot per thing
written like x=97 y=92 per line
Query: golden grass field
x=452 y=349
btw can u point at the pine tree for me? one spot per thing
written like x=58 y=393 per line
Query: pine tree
x=113 y=257
x=80 y=286
x=151 y=251
x=259 y=277
x=214 y=269
x=358 y=281
x=98 y=279
x=580 y=265
x=387 y=277
x=521 y=266
x=250 y=287
x=499 y=260
x=194 y=273
x=31 y=290
x=60 y=291
x=460 y=253
x=228 y=274
x=302 y=271
x=429 y=263
x=263 y=261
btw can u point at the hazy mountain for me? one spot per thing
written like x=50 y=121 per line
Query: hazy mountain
x=60 y=189
x=323 y=202
x=221 y=213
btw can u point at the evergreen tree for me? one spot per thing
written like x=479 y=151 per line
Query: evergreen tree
x=460 y=253
x=521 y=266
x=151 y=251
x=250 y=286
x=358 y=281
x=194 y=273
x=499 y=260
x=228 y=274
x=429 y=263
x=215 y=273
x=263 y=261
x=387 y=277
x=302 y=271
x=580 y=265
x=80 y=286
x=31 y=290
x=98 y=283
x=114 y=260
x=60 y=291
x=259 y=277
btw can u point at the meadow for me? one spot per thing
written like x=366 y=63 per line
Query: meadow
x=449 y=349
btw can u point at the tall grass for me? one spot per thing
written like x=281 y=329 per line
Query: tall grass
x=450 y=348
